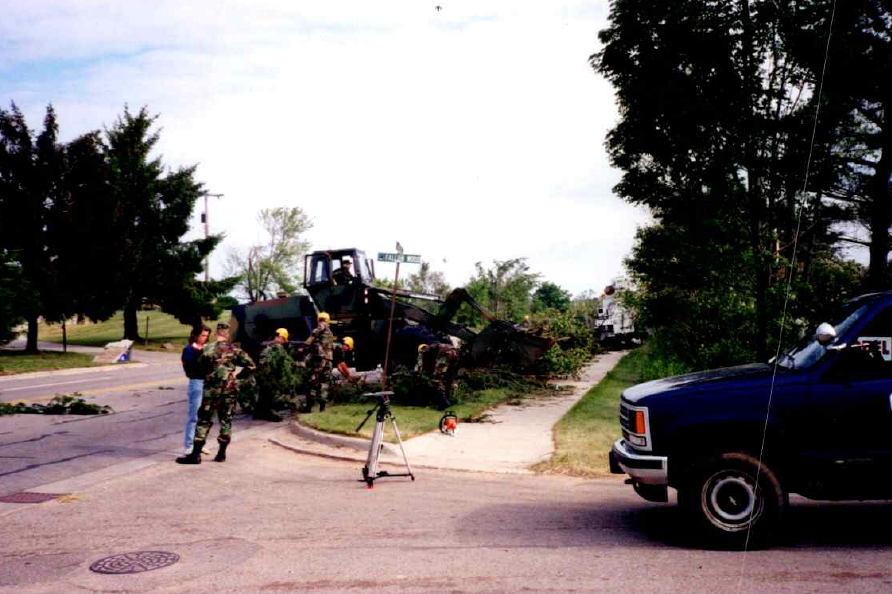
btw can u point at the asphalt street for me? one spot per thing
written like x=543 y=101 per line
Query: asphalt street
x=270 y=520
x=149 y=401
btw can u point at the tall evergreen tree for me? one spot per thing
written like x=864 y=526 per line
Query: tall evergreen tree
x=30 y=183
x=151 y=214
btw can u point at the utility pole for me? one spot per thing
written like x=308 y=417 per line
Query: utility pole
x=204 y=219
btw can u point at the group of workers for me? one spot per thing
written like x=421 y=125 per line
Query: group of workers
x=218 y=368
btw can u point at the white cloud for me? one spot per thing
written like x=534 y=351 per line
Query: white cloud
x=472 y=133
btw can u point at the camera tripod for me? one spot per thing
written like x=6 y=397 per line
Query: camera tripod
x=370 y=471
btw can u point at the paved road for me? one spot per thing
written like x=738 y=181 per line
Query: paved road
x=269 y=520
x=149 y=401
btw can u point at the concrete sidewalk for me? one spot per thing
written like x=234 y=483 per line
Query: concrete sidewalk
x=510 y=440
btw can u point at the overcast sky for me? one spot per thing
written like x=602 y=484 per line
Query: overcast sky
x=470 y=133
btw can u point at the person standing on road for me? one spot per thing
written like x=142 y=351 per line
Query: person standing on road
x=197 y=340
x=276 y=377
x=321 y=341
x=229 y=365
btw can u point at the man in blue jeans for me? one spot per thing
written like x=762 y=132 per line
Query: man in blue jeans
x=196 y=377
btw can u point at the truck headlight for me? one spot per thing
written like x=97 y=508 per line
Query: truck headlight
x=636 y=426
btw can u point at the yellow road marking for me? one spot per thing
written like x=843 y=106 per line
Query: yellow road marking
x=177 y=380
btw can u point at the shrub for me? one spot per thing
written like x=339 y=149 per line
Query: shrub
x=577 y=343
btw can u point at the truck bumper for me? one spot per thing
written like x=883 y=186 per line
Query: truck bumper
x=644 y=470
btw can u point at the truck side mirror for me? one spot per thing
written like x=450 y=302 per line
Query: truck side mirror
x=825 y=333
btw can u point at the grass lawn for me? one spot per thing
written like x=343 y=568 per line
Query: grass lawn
x=586 y=433
x=163 y=328
x=19 y=362
x=411 y=420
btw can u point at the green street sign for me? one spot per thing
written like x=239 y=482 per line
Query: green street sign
x=404 y=258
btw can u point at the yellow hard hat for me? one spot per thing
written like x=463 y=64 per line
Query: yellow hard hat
x=421 y=347
x=283 y=332
x=348 y=342
x=323 y=316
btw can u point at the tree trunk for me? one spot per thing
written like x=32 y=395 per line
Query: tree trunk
x=131 y=323
x=31 y=343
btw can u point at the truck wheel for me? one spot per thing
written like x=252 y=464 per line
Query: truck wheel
x=731 y=507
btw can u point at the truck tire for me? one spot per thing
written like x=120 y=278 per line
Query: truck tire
x=731 y=508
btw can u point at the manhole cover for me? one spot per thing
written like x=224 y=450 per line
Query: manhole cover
x=135 y=562
x=26 y=497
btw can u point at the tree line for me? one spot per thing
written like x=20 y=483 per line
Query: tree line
x=96 y=225
x=756 y=133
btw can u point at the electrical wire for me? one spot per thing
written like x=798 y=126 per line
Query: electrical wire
x=788 y=291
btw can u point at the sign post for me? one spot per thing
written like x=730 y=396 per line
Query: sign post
x=398 y=257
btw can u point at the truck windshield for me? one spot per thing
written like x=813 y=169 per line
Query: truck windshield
x=809 y=351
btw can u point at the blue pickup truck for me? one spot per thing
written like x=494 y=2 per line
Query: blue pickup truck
x=735 y=442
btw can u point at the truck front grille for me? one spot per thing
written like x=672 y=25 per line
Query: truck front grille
x=624 y=420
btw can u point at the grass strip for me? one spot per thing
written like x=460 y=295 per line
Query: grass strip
x=13 y=362
x=585 y=435
x=411 y=420
x=163 y=328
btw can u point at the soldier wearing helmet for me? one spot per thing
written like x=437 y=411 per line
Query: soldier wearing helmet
x=439 y=361
x=277 y=378
x=322 y=342
x=343 y=352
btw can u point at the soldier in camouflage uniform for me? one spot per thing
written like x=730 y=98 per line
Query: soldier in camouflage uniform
x=439 y=361
x=276 y=376
x=228 y=366
x=321 y=341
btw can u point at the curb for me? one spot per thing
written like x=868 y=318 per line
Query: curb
x=333 y=439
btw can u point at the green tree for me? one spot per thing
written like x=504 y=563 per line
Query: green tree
x=274 y=265
x=427 y=281
x=152 y=209
x=855 y=135
x=713 y=137
x=30 y=182
x=82 y=234
x=15 y=295
x=504 y=290
x=550 y=296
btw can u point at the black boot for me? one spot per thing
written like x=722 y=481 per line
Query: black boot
x=195 y=456
x=221 y=453
x=322 y=405
x=308 y=405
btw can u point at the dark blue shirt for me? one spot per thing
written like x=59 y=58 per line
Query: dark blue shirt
x=190 y=362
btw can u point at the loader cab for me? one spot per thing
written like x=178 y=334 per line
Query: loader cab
x=332 y=288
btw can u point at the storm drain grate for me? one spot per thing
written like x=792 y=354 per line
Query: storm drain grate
x=27 y=497
x=134 y=562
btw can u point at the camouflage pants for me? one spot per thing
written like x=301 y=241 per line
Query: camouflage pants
x=224 y=405
x=320 y=382
x=444 y=391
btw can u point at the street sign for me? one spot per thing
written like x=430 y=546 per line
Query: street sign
x=405 y=258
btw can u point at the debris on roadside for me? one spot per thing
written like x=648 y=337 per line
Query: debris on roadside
x=61 y=404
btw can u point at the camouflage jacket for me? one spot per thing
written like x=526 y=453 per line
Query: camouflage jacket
x=227 y=365
x=437 y=360
x=323 y=341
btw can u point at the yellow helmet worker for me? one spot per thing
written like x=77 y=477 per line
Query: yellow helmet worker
x=283 y=332
x=323 y=316
x=348 y=342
